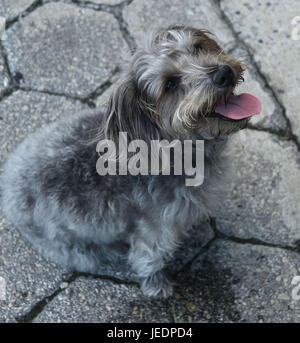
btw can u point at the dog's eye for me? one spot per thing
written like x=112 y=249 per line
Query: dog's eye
x=172 y=83
x=198 y=47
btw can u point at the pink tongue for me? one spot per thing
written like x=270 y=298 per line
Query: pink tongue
x=239 y=107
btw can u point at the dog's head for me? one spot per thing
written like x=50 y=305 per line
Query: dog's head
x=180 y=85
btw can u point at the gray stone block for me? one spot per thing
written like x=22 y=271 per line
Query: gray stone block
x=64 y=49
x=28 y=277
x=107 y=2
x=10 y=9
x=145 y=15
x=240 y=283
x=267 y=28
x=263 y=197
x=23 y=112
x=90 y=300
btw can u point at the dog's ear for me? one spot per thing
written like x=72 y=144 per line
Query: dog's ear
x=126 y=112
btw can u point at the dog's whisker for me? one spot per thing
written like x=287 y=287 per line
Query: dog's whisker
x=220 y=53
x=206 y=69
x=243 y=58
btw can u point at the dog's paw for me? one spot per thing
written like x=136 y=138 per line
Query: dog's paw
x=157 y=286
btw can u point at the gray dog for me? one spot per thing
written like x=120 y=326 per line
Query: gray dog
x=179 y=86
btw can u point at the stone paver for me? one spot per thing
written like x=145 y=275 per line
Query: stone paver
x=144 y=15
x=23 y=112
x=103 y=301
x=239 y=283
x=263 y=198
x=107 y=2
x=28 y=277
x=10 y=9
x=266 y=26
x=64 y=49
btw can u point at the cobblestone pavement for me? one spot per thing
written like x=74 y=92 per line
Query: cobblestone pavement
x=63 y=56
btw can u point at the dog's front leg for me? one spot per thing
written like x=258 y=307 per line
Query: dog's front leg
x=147 y=257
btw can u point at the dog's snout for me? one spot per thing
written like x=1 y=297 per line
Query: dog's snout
x=223 y=77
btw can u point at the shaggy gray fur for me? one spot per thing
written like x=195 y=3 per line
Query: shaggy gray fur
x=78 y=219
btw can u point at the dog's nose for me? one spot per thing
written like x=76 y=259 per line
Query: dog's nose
x=223 y=77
